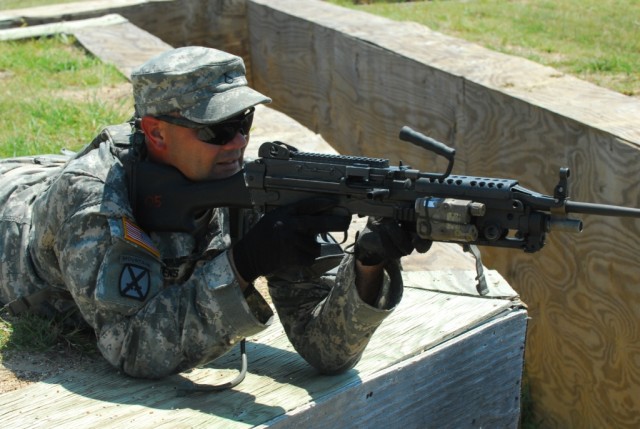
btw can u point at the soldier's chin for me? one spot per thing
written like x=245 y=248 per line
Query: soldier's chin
x=226 y=169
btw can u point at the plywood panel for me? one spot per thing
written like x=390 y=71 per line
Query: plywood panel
x=357 y=95
x=357 y=78
x=582 y=289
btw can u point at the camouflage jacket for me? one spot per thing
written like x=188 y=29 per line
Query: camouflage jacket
x=160 y=303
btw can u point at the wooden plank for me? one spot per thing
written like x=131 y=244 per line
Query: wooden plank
x=55 y=12
x=220 y=23
x=61 y=12
x=123 y=45
x=111 y=38
x=280 y=382
x=59 y=27
x=404 y=394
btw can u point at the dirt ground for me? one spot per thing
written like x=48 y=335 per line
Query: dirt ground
x=20 y=368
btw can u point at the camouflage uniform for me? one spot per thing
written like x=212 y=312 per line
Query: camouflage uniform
x=160 y=303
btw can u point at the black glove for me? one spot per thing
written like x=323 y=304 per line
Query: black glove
x=384 y=239
x=285 y=237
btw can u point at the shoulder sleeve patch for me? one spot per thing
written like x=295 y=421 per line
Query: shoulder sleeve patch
x=128 y=278
x=134 y=234
x=135 y=281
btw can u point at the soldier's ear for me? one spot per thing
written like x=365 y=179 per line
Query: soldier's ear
x=154 y=131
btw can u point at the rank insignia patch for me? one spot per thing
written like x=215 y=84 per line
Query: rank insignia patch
x=135 y=282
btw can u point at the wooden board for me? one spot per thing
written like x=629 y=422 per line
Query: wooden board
x=442 y=359
x=124 y=45
x=358 y=84
x=62 y=27
x=217 y=23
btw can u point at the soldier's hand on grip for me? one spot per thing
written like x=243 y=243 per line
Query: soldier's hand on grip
x=385 y=239
x=286 y=237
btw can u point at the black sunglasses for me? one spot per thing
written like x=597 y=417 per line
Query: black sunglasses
x=218 y=134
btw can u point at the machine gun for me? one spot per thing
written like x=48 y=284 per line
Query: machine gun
x=469 y=210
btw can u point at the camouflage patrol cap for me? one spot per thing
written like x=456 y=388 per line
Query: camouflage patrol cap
x=205 y=85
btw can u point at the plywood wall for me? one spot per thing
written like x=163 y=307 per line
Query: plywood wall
x=357 y=79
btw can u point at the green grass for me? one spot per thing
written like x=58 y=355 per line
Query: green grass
x=6 y=329
x=50 y=96
x=19 y=4
x=41 y=334
x=595 y=40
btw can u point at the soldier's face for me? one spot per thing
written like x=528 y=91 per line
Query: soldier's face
x=198 y=160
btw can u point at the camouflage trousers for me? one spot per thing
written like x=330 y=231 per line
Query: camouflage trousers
x=22 y=179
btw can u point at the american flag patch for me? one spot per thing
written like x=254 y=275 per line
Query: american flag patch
x=134 y=234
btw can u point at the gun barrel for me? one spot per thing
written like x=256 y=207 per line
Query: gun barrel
x=566 y=225
x=601 y=209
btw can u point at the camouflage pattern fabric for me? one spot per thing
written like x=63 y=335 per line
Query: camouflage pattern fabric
x=160 y=303
x=205 y=85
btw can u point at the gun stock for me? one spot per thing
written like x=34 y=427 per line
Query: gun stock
x=165 y=200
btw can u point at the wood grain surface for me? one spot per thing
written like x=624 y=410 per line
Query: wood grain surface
x=356 y=79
